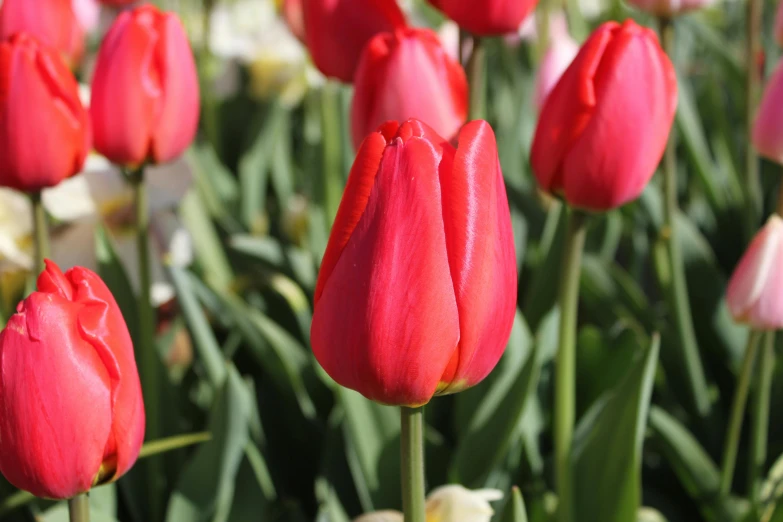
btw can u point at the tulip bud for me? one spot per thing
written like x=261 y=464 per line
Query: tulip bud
x=561 y=52
x=44 y=131
x=668 y=8
x=408 y=74
x=336 y=31
x=489 y=17
x=72 y=410
x=755 y=291
x=417 y=289
x=52 y=22
x=768 y=128
x=145 y=94
x=604 y=127
x=454 y=503
x=293 y=13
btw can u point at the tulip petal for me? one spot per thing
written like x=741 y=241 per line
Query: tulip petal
x=177 y=123
x=386 y=324
x=126 y=64
x=53 y=429
x=597 y=176
x=768 y=127
x=481 y=255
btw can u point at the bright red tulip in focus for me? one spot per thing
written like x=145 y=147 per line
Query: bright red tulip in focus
x=768 y=127
x=71 y=411
x=44 y=130
x=755 y=291
x=52 y=22
x=336 y=31
x=487 y=17
x=603 y=128
x=145 y=95
x=417 y=289
x=408 y=74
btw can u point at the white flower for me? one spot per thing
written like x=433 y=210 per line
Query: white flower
x=452 y=503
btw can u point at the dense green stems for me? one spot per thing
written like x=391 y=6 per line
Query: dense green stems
x=477 y=79
x=146 y=351
x=753 y=51
x=677 y=291
x=412 y=447
x=565 y=362
x=760 y=417
x=331 y=136
x=41 y=231
x=79 y=508
x=738 y=413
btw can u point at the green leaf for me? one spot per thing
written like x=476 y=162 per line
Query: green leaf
x=606 y=452
x=210 y=254
x=296 y=262
x=206 y=486
x=490 y=430
x=515 y=508
x=113 y=273
x=698 y=474
x=103 y=507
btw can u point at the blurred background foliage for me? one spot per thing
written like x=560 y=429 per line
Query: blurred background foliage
x=289 y=445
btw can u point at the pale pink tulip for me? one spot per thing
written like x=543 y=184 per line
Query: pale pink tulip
x=561 y=52
x=668 y=8
x=768 y=128
x=755 y=292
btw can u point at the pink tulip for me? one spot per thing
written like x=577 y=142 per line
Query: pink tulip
x=768 y=128
x=558 y=57
x=755 y=291
x=668 y=7
x=779 y=25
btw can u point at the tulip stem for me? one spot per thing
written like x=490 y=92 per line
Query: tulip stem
x=412 y=448
x=477 y=80
x=780 y=198
x=79 y=508
x=738 y=413
x=565 y=362
x=41 y=232
x=753 y=50
x=146 y=351
x=760 y=418
x=677 y=290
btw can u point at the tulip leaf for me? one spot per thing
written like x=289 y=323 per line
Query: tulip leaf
x=113 y=273
x=207 y=483
x=295 y=262
x=514 y=510
x=698 y=474
x=492 y=426
x=606 y=453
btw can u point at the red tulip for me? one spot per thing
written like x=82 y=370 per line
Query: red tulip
x=293 y=13
x=44 y=131
x=768 y=126
x=417 y=289
x=336 y=31
x=603 y=128
x=145 y=95
x=408 y=74
x=71 y=411
x=488 y=17
x=52 y=22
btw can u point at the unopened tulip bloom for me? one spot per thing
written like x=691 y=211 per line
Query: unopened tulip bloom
x=668 y=8
x=417 y=289
x=408 y=74
x=452 y=503
x=755 y=291
x=71 y=411
x=44 y=131
x=561 y=52
x=768 y=127
x=603 y=128
x=488 y=17
x=145 y=95
x=336 y=31
x=52 y=22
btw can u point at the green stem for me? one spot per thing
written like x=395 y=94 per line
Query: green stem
x=41 y=231
x=737 y=414
x=79 y=508
x=779 y=207
x=677 y=292
x=412 y=447
x=752 y=87
x=477 y=80
x=760 y=418
x=146 y=351
x=565 y=362
x=331 y=133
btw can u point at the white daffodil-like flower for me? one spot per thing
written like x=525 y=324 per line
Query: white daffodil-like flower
x=100 y=195
x=253 y=33
x=452 y=503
